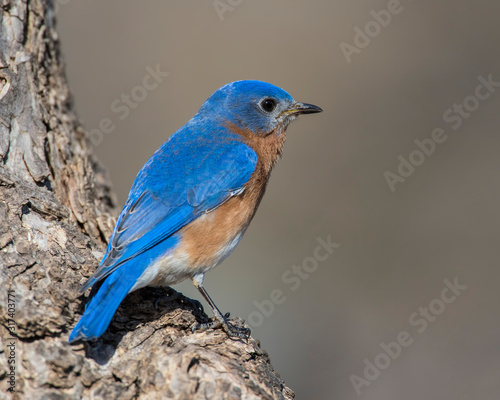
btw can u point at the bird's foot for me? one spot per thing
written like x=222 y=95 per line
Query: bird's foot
x=223 y=321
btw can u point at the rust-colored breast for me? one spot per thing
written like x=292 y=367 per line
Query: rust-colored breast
x=211 y=238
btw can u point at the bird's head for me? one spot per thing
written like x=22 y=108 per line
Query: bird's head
x=254 y=106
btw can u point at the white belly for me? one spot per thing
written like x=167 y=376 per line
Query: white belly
x=176 y=266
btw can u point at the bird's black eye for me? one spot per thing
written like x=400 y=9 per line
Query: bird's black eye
x=268 y=105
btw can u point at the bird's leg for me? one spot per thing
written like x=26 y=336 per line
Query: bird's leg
x=220 y=320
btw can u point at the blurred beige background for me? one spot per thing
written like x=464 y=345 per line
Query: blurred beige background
x=397 y=248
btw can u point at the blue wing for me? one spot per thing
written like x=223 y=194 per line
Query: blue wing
x=191 y=174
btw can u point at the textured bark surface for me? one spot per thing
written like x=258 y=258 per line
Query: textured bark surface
x=56 y=213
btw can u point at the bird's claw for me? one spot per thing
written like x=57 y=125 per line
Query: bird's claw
x=231 y=329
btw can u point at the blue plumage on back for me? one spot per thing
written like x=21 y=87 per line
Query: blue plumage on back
x=187 y=176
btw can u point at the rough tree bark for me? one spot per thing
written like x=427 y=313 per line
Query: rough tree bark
x=56 y=213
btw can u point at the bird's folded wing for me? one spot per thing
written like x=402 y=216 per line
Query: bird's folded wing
x=174 y=188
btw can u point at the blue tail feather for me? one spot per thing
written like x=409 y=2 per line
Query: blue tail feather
x=102 y=307
x=99 y=312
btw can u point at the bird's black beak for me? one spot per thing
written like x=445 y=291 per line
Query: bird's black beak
x=303 y=108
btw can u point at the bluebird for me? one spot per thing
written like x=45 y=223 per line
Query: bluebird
x=193 y=200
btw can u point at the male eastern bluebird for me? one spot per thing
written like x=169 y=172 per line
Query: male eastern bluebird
x=193 y=200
